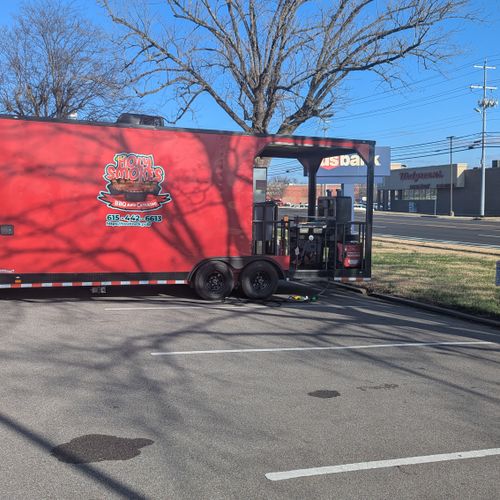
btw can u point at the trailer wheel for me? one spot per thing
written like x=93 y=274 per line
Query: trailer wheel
x=259 y=280
x=213 y=281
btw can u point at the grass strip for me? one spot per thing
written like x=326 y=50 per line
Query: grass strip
x=453 y=278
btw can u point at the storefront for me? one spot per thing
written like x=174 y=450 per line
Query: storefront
x=440 y=189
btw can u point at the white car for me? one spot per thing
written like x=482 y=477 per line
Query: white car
x=358 y=207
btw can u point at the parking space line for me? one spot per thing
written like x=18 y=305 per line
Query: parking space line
x=159 y=308
x=380 y=464
x=216 y=307
x=325 y=348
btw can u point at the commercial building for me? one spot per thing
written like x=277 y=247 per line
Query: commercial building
x=440 y=189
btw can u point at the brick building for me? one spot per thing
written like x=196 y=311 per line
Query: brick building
x=296 y=194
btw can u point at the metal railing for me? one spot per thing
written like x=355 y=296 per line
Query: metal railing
x=319 y=243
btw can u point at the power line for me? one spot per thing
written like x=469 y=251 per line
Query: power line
x=411 y=151
x=415 y=104
x=417 y=129
x=389 y=93
x=428 y=143
x=441 y=153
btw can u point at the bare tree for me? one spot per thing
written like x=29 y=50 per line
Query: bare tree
x=277 y=185
x=275 y=64
x=55 y=63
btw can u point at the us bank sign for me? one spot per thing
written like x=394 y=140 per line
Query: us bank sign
x=347 y=169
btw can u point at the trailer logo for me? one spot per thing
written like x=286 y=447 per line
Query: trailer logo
x=134 y=183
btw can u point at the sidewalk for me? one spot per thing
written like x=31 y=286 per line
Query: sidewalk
x=439 y=216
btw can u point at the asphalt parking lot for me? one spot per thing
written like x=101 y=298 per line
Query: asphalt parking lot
x=155 y=394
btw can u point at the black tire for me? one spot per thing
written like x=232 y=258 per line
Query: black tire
x=259 y=280
x=213 y=281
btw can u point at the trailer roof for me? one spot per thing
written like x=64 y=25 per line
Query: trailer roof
x=300 y=151
x=282 y=146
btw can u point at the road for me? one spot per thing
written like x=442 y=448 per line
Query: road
x=161 y=396
x=463 y=230
x=457 y=229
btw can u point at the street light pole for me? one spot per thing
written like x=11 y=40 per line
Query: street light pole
x=484 y=104
x=451 y=137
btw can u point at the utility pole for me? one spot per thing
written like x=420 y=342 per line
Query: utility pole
x=451 y=137
x=484 y=104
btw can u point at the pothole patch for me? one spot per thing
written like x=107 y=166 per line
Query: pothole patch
x=324 y=394
x=99 y=448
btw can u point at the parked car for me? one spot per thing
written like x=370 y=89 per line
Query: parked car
x=359 y=207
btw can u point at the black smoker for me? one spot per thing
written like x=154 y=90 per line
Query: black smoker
x=323 y=245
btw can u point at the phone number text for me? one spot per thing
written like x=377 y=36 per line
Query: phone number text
x=134 y=220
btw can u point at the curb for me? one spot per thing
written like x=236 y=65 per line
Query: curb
x=491 y=218
x=439 y=309
x=346 y=286
x=421 y=305
x=353 y=288
x=416 y=304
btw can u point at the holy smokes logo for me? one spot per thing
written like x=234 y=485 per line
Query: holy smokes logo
x=134 y=183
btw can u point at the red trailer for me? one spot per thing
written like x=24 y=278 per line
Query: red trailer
x=100 y=204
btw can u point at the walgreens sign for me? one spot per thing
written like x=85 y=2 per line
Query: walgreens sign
x=419 y=176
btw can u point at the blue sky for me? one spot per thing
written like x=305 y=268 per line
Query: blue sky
x=433 y=105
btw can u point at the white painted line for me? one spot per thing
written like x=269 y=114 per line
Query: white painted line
x=218 y=307
x=157 y=308
x=329 y=348
x=381 y=464
x=193 y=306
